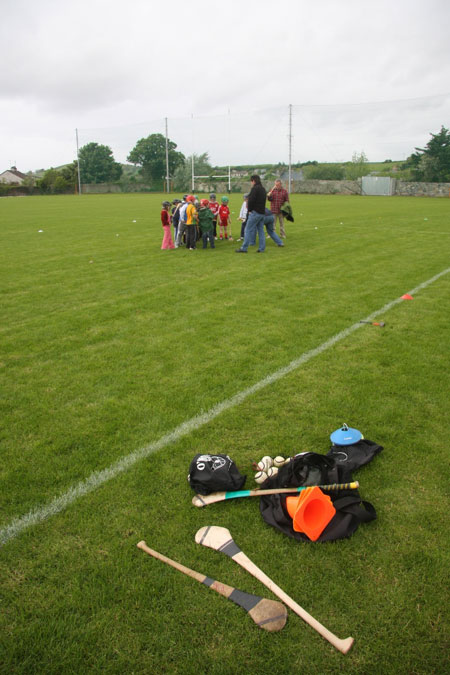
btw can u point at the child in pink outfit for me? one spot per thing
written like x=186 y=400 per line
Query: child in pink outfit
x=167 y=241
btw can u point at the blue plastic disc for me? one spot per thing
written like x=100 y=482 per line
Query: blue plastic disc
x=345 y=436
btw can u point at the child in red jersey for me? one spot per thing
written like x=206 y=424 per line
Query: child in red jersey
x=224 y=217
x=165 y=221
x=214 y=207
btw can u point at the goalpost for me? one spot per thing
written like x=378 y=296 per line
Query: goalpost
x=224 y=176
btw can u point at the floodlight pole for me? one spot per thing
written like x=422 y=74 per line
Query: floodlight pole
x=192 y=156
x=167 y=161
x=78 y=164
x=290 y=148
x=229 y=146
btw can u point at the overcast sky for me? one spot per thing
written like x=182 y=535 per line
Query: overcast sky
x=361 y=75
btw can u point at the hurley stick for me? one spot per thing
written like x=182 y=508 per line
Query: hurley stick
x=204 y=500
x=220 y=539
x=267 y=614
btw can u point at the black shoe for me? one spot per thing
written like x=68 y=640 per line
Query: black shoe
x=240 y=250
x=259 y=251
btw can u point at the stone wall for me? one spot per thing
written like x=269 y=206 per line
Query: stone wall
x=348 y=187
x=327 y=187
x=108 y=188
x=322 y=187
x=99 y=188
x=416 y=189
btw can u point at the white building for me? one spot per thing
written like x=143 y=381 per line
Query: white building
x=12 y=176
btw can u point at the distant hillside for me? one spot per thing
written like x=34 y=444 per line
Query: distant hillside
x=391 y=168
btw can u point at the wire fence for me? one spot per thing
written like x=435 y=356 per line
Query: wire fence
x=291 y=133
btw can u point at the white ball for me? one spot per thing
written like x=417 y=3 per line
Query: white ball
x=288 y=460
x=265 y=463
x=272 y=472
x=268 y=461
x=260 y=477
x=278 y=461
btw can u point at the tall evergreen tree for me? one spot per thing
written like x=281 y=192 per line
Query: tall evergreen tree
x=432 y=163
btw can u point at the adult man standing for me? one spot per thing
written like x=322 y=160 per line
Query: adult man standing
x=277 y=196
x=255 y=219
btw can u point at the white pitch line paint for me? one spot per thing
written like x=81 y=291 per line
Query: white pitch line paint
x=98 y=478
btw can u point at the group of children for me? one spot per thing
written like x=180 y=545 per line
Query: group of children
x=193 y=219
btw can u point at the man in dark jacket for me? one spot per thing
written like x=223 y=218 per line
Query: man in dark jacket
x=256 y=214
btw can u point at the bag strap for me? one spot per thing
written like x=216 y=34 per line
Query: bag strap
x=352 y=504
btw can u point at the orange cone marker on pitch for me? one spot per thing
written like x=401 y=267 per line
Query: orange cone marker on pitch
x=311 y=512
x=407 y=296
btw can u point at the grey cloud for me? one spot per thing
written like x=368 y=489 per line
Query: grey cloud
x=110 y=65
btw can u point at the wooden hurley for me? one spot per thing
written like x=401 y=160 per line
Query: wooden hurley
x=267 y=614
x=220 y=539
x=204 y=500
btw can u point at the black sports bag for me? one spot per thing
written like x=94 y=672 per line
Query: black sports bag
x=214 y=473
x=307 y=469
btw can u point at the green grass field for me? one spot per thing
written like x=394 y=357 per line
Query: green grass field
x=109 y=344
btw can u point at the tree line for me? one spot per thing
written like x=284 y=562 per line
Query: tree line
x=97 y=165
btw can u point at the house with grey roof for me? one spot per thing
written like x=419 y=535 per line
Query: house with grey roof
x=12 y=176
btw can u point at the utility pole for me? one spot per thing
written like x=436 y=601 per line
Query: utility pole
x=78 y=164
x=290 y=148
x=229 y=146
x=167 y=161
x=192 y=157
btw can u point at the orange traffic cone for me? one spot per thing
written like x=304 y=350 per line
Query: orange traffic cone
x=311 y=512
x=407 y=296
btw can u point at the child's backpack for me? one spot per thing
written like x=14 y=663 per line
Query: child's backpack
x=176 y=216
x=214 y=473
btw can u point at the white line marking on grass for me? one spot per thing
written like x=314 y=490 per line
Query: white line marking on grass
x=98 y=478
x=430 y=232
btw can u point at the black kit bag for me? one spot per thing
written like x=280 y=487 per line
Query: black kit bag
x=214 y=473
x=348 y=458
x=309 y=469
